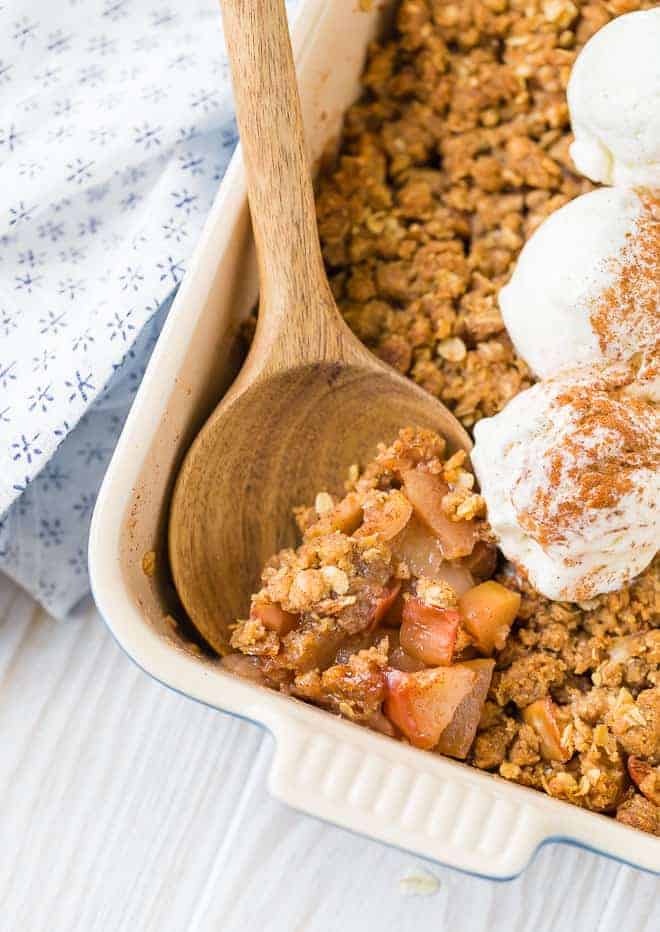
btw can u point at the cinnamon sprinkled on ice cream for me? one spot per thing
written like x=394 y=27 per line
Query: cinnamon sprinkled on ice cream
x=570 y=471
x=586 y=287
x=631 y=303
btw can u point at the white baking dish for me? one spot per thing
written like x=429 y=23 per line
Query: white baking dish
x=323 y=765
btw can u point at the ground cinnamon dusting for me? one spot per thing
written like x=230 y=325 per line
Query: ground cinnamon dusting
x=632 y=302
x=612 y=437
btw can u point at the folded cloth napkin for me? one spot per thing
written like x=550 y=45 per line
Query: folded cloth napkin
x=115 y=130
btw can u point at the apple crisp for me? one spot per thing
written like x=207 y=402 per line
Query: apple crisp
x=395 y=610
x=383 y=614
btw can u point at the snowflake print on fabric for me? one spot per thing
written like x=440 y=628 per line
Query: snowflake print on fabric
x=164 y=17
x=80 y=170
x=53 y=478
x=175 y=229
x=91 y=75
x=31 y=259
x=83 y=340
x=51 y=532
x=53 y=323
x=115 y=10
x=130 y=202
x=204 y=100
x=20 y=214
x=78 y=562
x=71 y=288
x=61 y=204
x=170 y=269
x=62 y=132
x=154 y=93
x=89 y=227
x=147 y=136
x=92 y=452
x=7 y=323
x=58 y=42
x=192 y=163
x=7 y=374
x=115 y=131
x=101 y=136
x=66 y=107
x=51 y=231
x=24 y=31
x=98 y=192
x=74 y=255
x=182 y=62
x=10 y=138
x=41 y=397
x=26 y=449
x=5 y=72
x=184 y=200
x=43 y=361
x=102 y=46
x=80 y=386
x=27 y=282
x=31 y=169
x=131 y=279
x=83 y=507
x=120 y=326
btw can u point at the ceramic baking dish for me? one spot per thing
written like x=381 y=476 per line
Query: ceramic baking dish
x=322 y=765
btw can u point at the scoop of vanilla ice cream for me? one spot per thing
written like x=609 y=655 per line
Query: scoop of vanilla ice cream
x=570 y=471
x=614 y=102
x=586 y=287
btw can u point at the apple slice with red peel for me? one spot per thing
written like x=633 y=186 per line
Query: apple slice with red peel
x=426 y=491
x=429 y=633
x=488 y=611
x=542 y=717
x=456 y=740
x=273 y=617
x=422 y=704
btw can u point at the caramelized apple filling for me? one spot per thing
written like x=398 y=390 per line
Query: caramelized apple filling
x=396 y=613
x=381 y=614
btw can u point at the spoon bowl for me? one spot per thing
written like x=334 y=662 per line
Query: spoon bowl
x=310 y=400
x=266 y=449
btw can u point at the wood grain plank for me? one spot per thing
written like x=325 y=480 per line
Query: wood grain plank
x=115 y=790
x=128 y=807
x=283 y=871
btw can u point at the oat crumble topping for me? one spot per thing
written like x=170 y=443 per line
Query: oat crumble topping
x=455 y=153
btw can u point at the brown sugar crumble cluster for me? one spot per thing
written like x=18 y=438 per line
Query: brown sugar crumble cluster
x=455 y=154
x=395 y=611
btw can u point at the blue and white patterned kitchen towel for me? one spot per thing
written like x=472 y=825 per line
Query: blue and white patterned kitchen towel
x=115 y=130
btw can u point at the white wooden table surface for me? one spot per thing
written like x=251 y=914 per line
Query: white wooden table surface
x=124 y=806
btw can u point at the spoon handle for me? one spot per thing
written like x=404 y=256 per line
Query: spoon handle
x=292 y=278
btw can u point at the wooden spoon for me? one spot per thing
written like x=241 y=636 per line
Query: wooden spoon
x=310 y=399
